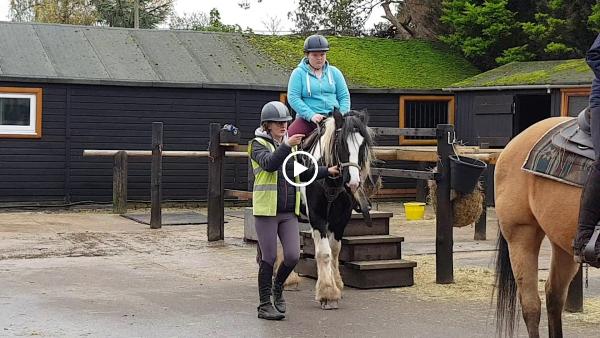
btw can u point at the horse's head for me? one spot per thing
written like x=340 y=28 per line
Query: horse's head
x=347 y=143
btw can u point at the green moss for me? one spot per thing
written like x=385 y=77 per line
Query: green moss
x=522 y=78
x=536 y=72
x=577 y=65
x=377 y=63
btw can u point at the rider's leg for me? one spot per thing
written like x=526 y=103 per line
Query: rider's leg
x=301 y=126
x=589 y=212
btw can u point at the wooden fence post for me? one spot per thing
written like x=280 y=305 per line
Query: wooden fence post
x=480 y=226
x=444 y=268
x=574 y=301
x=156 y=176
x=422 y=188
x=216 y=193
x=120 y=182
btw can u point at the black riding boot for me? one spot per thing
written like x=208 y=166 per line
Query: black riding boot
x=282 y=274
x=584 y=249
x=265 y=281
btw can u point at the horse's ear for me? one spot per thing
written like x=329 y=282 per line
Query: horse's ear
x=363 y=115
x=339 y=118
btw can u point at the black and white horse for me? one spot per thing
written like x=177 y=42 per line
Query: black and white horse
x=344 y=141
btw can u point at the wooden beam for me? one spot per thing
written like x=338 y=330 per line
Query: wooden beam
x=156 y=176
x=120 y=183
x=444 y=265
x=381 y=131
x=404 y=173
x=241 y=194
x=387 y=153
x=216 y=203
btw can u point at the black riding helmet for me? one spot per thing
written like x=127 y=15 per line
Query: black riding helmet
x=316 y=43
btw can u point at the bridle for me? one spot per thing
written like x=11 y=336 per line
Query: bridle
x=332 y=192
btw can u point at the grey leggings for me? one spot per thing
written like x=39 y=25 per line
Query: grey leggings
x=286 y=226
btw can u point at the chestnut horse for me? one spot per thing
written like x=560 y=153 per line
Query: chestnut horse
x=529 y=208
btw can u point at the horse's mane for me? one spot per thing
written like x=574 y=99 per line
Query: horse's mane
x=354 y=121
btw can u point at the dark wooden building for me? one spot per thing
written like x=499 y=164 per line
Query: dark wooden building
x=496 y=105
x=66 y=88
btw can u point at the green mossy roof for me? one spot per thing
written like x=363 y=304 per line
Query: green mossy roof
x=375 y=62
x=561 y=72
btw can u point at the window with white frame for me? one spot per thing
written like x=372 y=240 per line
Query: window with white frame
x=20 y=112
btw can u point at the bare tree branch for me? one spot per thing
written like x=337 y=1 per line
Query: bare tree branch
x=272 y=24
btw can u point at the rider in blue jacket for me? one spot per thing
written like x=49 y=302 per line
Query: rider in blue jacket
x=586 y=247
x=315 y=88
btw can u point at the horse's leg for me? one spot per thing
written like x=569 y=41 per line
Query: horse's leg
x=562 y=271
x=336 y=246
x=524 y=241
x=326 y=290
x=339 y=218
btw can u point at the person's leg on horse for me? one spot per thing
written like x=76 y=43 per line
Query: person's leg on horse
x=266 y=232
x=290 y=241
x=589 y=211
x=585 y=246
x=301 y=126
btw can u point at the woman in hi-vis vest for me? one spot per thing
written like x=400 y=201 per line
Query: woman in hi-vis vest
x=276 y=204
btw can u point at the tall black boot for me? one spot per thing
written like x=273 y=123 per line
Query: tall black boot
x=282 y=274
x=589 y=216
x=265 y=281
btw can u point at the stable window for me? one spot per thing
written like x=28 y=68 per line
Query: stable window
x=20 y=112
x=424 y=112
x=574 y=100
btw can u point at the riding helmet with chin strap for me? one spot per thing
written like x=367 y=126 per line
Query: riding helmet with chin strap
x=316 y=43
x=275 y=111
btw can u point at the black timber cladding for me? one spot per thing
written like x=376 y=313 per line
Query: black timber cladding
x=487 y=116
x=78 y=117
x=34 y=169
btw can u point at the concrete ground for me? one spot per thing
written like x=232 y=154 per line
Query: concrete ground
x=95 y=274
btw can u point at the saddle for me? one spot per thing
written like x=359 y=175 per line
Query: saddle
x=575 y=136
x=309 y=141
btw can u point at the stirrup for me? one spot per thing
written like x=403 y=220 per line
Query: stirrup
x=589 y=252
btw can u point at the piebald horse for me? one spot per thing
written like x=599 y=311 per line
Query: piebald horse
x=344 y=141
x=529 y=208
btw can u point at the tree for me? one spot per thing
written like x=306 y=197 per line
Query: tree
x=492 y=32
x=201 y=22
x=114 y=13
x=120 y=13
x=344 y=17
x=481 y=32
x=195 y=21
x=408 y=18
x=272 y=24
x=75 y=12
x=21 y=10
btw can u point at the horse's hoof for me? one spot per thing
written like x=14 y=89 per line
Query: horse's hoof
x=329 y=304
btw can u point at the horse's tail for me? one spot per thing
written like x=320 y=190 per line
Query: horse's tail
x=506 y=289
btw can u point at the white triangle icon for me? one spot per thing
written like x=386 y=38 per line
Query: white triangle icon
x=299 y=169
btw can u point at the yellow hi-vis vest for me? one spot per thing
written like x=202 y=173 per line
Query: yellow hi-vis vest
x=264 y=194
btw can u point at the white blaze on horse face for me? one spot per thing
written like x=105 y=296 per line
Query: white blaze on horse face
x=354 y=140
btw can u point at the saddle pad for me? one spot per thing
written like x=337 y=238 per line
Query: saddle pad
x=572 y=138
x=548 y=160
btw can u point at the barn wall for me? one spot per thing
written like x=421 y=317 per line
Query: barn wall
x=120 y=118
x=34 y=169
x=487 y=116
x=78 y=117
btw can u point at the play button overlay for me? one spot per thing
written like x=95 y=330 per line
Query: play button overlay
x=299 y=168
x=299 y=159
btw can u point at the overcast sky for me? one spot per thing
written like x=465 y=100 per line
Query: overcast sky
x=231 y=13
